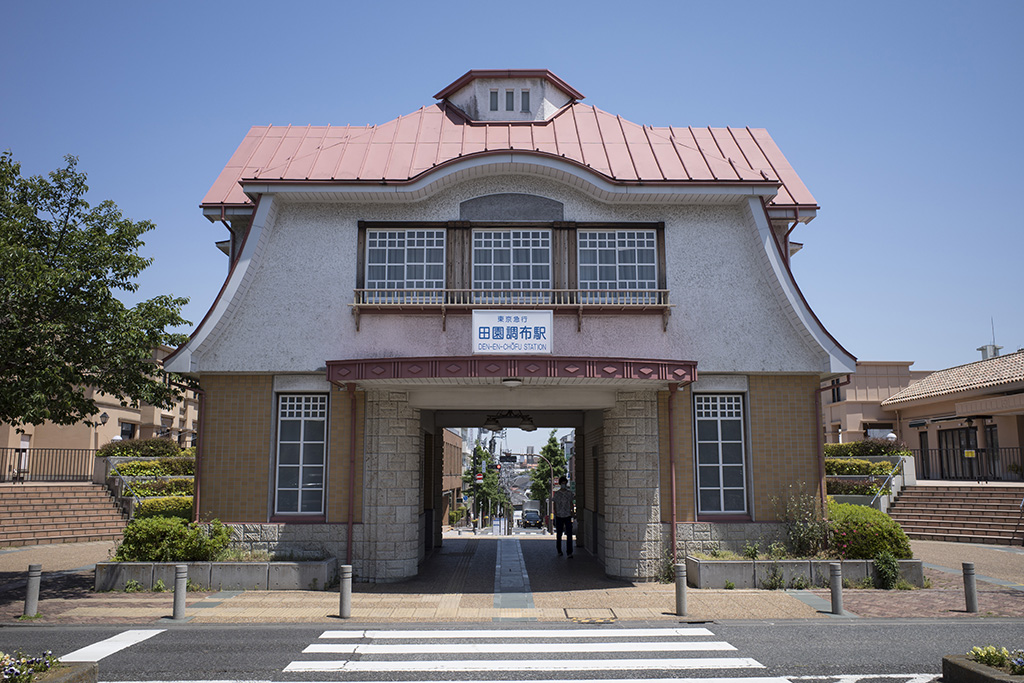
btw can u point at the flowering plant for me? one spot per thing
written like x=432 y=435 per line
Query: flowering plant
x=17 y=668
x=999 y=658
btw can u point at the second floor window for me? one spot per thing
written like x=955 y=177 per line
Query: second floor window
x=511 y=259
x=405 y=259
x=618 y=260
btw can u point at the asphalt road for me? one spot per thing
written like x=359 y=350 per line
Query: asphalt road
x=904 y=652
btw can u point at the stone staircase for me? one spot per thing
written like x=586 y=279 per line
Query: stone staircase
x=37 y=514
x=962 y=513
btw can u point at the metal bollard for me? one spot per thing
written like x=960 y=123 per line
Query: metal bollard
x=345 y=599
x=35 y=573
x=180 y=588
x=970 y=587
x=680 y=590
x=835 y=577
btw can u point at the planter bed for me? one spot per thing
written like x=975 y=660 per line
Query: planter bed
x=702 y=573
x=963 y=669
x=278 y=576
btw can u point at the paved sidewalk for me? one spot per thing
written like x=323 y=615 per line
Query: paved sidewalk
x=458 y=584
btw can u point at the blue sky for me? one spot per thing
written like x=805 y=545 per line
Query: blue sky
x=903 y=119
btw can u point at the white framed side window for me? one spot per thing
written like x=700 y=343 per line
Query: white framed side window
x=617 y=265
x=524 y=101
x=301 y=454
x=407 y=260
x=721 y=454
x=508 y=265
x=494 y=100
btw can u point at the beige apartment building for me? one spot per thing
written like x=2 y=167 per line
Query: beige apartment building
x=41 y=448
x=961 y=423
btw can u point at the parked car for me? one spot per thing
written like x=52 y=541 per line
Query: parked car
x=532 y=518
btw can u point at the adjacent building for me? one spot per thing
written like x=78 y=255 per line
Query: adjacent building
x=510 y=256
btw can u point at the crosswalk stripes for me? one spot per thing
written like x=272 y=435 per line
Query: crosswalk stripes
x=556 y=650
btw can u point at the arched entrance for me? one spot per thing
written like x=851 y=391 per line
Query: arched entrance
x=611 y=403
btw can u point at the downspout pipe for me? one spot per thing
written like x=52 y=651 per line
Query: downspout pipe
x=197 y=475
x=351 y=470
x=672 y=388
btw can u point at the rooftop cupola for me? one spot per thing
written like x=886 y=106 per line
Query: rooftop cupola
x=509 y=95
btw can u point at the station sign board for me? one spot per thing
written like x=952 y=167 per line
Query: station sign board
x=526 y=332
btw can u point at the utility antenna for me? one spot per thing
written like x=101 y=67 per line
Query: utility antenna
x=993 y=330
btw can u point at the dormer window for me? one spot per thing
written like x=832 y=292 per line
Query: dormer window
x=494 y=100
x=524 y=101
x=510 y=100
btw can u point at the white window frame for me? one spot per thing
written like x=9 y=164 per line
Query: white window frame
x=409 y=259
x=514 y=261
x=510 y=100
x=717 y=458
x=494 y=100
x=614 y=260
x=299 y=480
x=524 y=101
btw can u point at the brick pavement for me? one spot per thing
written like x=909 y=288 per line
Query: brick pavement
x=457 y=585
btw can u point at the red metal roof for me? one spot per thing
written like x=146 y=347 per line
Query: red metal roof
x=411 y=146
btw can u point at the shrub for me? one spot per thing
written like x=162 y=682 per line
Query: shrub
x=167 y=506
x=839 y=487
x=806 y=527
x=847 y=466
x=861 y=533
x=164 y=467
x=861 y=449
x=888 y=570
x=141 y=448
x=170 y=539
x=161 y=487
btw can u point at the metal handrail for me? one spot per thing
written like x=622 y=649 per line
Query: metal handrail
x=887 y=483
x=501 y=298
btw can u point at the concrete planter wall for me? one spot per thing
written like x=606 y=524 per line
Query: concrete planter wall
x=309 y=575
x=702 y=573
x=72 y=672
x=962 y=669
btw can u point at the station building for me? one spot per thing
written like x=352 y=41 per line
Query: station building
x=509 y=256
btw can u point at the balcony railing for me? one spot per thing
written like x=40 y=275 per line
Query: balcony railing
x=448 y=300
x=46 y=464
x=988 y=464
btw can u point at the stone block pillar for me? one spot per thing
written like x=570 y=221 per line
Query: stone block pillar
x=633 y=545
x=392 y=488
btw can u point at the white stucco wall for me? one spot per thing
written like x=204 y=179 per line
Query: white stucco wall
x=292 y=313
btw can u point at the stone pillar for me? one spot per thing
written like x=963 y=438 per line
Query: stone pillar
x=391 y=488
x=632 y=502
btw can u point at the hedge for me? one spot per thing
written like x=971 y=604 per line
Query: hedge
x=167 y=506
x=142 y=448
x=164 y=467
x=169 y=539
x=862 y=449
x=855 y=466
x=160 y=487
x=862 y=533
x=840 y=487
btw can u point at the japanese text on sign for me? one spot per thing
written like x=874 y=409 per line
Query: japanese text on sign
x=512 y=332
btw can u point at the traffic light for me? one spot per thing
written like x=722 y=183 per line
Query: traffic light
x=498 y=466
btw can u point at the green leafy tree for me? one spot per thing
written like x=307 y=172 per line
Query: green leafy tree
x=63 y=331
x=551 y=465
x=489 y=493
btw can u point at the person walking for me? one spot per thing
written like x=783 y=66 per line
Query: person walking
x=563 y=500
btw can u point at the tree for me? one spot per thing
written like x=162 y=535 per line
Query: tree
x=488 y=493
x=63 y=331
x=551 y=465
